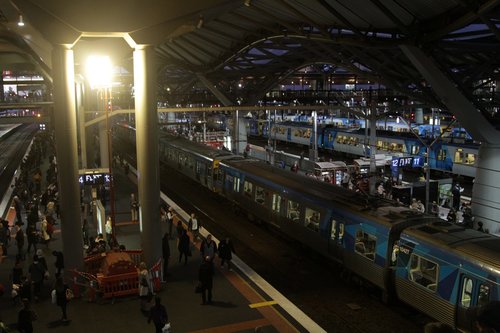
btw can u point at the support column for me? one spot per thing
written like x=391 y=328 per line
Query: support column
x=80 y=108
x=485 y=192
x=148 y=174
x=103 y=145
x=67 y=155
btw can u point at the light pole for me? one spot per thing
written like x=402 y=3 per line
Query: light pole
x=99 y=71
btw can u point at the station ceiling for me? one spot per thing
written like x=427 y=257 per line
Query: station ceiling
x=259 y=43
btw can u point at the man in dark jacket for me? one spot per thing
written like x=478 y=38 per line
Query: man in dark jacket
x=205 y=277
x=59 y=262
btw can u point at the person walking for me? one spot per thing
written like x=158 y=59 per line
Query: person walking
x=184 y=246
x=179 y=227
x=145 y=287
x=226 y=250
x=158 y=315
x=456 y=193
x=32 y=237
x=205 y=278
x=166 y=255
x=25 y=317
x=63 y=295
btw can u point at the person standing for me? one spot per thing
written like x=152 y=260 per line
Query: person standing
x=62 y=297
x=170 y=220
x=109 y=232
x=32 y=237
x=184 y=246
x=205 y=278
x=226 y=250
x=208 y=248
x=194 y=226
x=44 y=232
x=59 y=262
x=25 y=317
x=37 y=274
x=456 y=193
x=20 y=240
x=134 y=208
x=166 y=254
x=158 y=315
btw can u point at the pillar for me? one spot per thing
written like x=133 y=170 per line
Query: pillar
x=67 y=155
x=103 y=145
x=419 y=116
x=148 y=174
x=485 y=191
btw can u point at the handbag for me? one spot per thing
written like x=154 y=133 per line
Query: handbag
x=69 y=295
x=166 y=328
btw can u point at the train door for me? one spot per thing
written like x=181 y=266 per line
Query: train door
x=472 y=293
x=276 y=203
x=336 y=239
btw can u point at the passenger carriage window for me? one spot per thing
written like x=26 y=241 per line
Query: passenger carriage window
x=312 y=219
x=293 y=212
x=236 y=184
x=260 y=196
x=414 y=149
x=333 y=230
x=470 y=159
x=424 y=272
x=459 y=156
x=441 y=156
x=484 y=295
x=248 y=187
x=365 y=244
x=276 y=203
x=340 y=227
x=466 y=297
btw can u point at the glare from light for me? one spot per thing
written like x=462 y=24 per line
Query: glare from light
x=99 y=71
x=21 y=21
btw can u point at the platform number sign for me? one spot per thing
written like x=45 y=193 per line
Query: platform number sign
x=410 y=162
x=94 y=179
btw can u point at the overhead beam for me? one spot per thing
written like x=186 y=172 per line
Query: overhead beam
x=466 y=112
x=217 y=93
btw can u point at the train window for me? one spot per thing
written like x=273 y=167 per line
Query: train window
x=293 y=212
x=365 y=244
x=394 y=255
x=312 y=219
x=441 y=155
x=260 y=196
x=470 y=158
x=484 y=295
x=276 y=203
x=248 y=187
x=459 y=156
x=424 y=272
x=236 y=184
x=340 y=226
x=466 y=297
x=380 y=144
x=414 y=149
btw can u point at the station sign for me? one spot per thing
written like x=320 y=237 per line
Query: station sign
x=94 y=177
x=411 y=161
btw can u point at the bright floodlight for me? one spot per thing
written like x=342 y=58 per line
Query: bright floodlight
x=99 y=71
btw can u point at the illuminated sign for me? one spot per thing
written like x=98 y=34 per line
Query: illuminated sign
x=412 y=161
x=94 y=179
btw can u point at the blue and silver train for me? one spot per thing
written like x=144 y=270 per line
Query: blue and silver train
x=455 y=152
x=439 y=268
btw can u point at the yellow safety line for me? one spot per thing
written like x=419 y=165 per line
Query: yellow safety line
x=261 y=304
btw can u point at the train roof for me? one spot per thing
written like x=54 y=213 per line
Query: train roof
x=371 y=207
x=197 y=148
x=469 y=243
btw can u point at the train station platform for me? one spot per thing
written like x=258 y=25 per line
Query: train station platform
x=6 y=128
x=242 y=300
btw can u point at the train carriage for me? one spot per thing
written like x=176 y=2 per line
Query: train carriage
x=443 y=269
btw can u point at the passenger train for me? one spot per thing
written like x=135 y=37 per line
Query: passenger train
x=455 y=152
x=439 y=268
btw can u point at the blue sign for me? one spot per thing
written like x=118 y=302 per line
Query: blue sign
x=401 y=162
